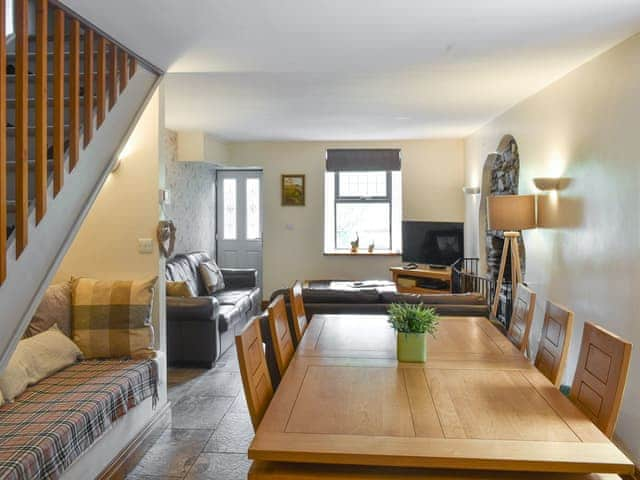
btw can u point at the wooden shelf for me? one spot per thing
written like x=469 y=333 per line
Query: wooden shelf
x=420 y=273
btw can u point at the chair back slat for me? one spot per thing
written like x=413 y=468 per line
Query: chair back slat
x=601 y=375
x=253 y=369
x=300 y=321
x=280 y=333
x=554 y=342
x=523 y=306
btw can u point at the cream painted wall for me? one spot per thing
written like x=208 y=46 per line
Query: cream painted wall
x=584 y=126
x=432 y=172
x=126 y=209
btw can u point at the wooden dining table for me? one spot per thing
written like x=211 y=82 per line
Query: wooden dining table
x=476 y=404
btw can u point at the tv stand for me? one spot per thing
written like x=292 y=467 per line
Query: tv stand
x=422 y=280
x=437 y=267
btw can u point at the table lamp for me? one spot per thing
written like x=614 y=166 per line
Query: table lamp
x=510 y=213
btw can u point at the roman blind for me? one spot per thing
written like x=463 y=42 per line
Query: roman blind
x=363 y=159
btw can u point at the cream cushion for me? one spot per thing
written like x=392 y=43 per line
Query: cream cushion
x=36 y=358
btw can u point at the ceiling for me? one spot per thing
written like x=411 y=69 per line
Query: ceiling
x=357 y=69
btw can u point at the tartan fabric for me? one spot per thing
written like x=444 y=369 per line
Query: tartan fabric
x=112 y=319
x=53 y=422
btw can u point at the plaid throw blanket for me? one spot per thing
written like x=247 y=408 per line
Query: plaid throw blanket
x=56 y=420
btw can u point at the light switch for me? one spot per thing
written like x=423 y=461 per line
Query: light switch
x=145 y=245
x=164 y=196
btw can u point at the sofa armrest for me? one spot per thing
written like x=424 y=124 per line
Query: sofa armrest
x=235 y=278
x=204 y=309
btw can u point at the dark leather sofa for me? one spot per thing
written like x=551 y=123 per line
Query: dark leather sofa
x=202 y=328
x=331 y=297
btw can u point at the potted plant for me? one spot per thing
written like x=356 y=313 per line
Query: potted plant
x=412 y=322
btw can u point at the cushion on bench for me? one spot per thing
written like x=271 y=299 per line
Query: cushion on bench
x=53 y=422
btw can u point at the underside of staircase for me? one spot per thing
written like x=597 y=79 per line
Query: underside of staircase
x=69 y=97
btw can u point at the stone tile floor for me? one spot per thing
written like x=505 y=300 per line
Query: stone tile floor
x=210 y=429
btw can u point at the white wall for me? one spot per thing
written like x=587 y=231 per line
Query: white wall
x=432 y=172
x=125 y=210
x=198 y=146
x=585 y=126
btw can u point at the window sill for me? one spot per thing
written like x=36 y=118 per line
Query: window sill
x=362 y=253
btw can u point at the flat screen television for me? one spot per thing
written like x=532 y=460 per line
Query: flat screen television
x=433 y=243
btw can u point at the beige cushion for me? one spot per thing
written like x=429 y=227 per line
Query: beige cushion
x=211 y=277
x=112 y=319
x=54 y=309
x=36 y=358
x=179 y=289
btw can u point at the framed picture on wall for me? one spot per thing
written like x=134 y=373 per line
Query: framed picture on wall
x=293 y=190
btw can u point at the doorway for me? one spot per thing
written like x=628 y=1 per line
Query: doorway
x=240 y=209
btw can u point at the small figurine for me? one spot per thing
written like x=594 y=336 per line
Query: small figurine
x=372 y=245
x=355 y=244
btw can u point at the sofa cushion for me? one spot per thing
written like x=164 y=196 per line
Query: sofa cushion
x=316 y=295
x=241 y=298
x=179 y=289
x=36 y=358
x=434 y=299
x=228 y=317
x=112 y=319
x=54 y=309
x=211 y=277
x=184 y=267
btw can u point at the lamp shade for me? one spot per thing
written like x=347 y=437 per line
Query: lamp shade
x=511 y=212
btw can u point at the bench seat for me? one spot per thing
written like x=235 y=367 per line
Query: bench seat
x=53 y=422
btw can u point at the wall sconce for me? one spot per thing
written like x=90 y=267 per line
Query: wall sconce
x=551 y=183
x=117 y=166
x=471 y=190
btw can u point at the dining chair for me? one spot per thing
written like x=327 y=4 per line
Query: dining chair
x=269 y=349
x=257 y=385
x=280 y=333
x=524 y=303
x=554 y=342
x=299 y=316
x=601 y=375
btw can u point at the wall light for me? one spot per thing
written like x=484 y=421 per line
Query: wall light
x=471 y=190
x=551 y=183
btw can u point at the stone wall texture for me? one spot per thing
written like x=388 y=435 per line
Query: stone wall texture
x=192 y=187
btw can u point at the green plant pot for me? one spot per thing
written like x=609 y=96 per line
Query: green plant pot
x=412 y=347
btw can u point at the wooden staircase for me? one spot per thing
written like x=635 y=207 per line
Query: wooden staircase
x=70 y=95
x=59 y=79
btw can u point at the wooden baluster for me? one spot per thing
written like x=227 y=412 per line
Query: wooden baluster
x=58 y=102
x=21 y=12
x=113 y=76
x=74 y=94
x=3 y=144
x=124 y=77
x=88 y=87
x=102 y=79
x=41 y=97
x=133 y=63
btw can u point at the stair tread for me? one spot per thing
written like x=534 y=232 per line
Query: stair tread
x=11 y=77
x=11 y=131
x=50 y=52
x=12 y=163
x=12 y=101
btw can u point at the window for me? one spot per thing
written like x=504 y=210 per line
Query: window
x=229 y=208
x=253 y=209
x=364 y=204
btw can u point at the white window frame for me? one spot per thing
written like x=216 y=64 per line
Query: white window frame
x=393 y=197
